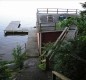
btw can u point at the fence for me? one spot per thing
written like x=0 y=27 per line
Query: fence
x=56 y=10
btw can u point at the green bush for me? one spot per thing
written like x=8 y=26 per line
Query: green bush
x=5 y=73
x=70 y=59
x=65 y=23
x=19 y=57
x=42 y=66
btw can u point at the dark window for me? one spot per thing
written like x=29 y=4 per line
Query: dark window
x=50 y=18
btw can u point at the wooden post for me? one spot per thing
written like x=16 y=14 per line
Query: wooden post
x=55 y=25
x=25 y=47
x=67 y=10
x=76 y=11
x=57 y=11
x=47 y=63
x=40 y=27
x=53 y=77
x=40 y=42
x=47 y=10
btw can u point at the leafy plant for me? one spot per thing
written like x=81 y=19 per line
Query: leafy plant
x=5 y=73
x=19 y=57
x=42 y=66
x=70 y=59
x=46 y=47
x=65 y=23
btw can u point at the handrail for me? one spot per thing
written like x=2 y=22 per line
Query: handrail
x=57 y=10
x=47 y=56
x=59 y=75
x=60 y=38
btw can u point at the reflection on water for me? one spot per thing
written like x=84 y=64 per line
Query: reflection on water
x=8 y=43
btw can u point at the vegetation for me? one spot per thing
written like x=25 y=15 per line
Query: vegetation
x=42 y=66
x=71 y=59
x=70 y=56
x=65 y=23
x=19 y=57
x=6 y=73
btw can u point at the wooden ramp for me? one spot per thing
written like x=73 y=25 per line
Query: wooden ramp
x=14 y=28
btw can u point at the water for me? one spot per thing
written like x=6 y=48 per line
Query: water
x=24 y=11
x=8 y=43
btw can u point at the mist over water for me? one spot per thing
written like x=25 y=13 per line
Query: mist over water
x=25 y=11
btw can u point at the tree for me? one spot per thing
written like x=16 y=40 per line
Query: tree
x=84 y=6
x=70 y=57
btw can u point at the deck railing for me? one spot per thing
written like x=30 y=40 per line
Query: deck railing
x=53 y=24
x=56 y=10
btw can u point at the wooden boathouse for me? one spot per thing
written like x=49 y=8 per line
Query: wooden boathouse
x=46 y=23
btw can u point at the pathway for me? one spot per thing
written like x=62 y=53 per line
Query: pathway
x=31 y=70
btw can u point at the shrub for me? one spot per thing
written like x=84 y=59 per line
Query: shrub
x=70 y=59
x=19 y=57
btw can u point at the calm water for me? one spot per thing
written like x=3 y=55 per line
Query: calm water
x=8 y=43
x=24 y=11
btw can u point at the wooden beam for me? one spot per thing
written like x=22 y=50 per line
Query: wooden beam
x=61 y=76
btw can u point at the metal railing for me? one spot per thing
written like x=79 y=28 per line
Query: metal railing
x=56 y=10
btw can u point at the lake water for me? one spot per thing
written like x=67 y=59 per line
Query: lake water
x=24 y=11
x=8 y=43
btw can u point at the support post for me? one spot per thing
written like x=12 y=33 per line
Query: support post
x=40 y=27
x=25 y=47
x=40 y=42
x=55 y=25
x=53 y=77
x=57 y=11
x=76 y=11
x=47 y=63
x=47 y=10
x=67 y=10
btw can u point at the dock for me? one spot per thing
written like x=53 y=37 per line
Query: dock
x=31 y=70
x=14 y=28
